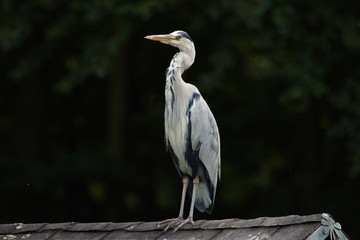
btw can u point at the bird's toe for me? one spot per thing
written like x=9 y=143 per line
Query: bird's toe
x=170 y=223
x=180 y=224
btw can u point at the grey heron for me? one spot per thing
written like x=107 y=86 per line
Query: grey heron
x=191 y=132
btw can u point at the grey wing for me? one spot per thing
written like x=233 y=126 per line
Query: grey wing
x=205 y=133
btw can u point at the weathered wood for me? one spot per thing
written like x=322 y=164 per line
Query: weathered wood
x=65 y=235
x=120 y=226
x=247 y=233
x=218 y=224
x=126 y=235
x=145 y=226
x=84 y=227
x=264 y=228
x=309 y=218
x=187 y=234
x=270 y=222
x=28 y=236
x=21 y=228
x=7 y=228
x=57 y=226
x=302 y=231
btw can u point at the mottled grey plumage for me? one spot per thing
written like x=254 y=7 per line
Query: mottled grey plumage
x=191 y=132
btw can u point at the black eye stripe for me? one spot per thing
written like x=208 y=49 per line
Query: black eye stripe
x=184 y=34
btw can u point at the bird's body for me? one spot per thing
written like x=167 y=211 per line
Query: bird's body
x=191 y=132
x=184 y=139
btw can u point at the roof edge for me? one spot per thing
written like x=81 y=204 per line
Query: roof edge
x=232 y=223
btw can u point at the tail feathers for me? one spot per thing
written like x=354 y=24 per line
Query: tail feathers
x=203 y=201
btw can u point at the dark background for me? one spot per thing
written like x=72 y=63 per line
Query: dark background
x=82 y=98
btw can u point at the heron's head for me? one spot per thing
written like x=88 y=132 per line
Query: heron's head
x=179 y=39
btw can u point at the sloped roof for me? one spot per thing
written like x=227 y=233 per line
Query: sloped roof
x=311 y=227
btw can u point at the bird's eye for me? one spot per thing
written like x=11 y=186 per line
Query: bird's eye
x=179 y=37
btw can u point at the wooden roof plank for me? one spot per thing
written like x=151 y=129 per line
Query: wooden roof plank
x=153 y=226
x=295 y=231
x=21 y=228
x=248 y=223
x=278 y=221
x=218 y=224
x=262 y=233
x=77 y=227
x=233 y=223
x=57 y=226
x=186 y=234
x=7 y=228
x=29 y=236
x=120 y=226
x=308 y=218
x=126 y=235
x=144 y=226
x=65 y=235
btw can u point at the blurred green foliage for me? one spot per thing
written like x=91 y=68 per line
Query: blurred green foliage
x=81 y=96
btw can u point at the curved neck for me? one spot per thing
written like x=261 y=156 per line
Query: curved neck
x=182 y=61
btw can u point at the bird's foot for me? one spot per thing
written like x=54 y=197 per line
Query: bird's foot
x=176 y=223
x=170 y=222
x=179 y=225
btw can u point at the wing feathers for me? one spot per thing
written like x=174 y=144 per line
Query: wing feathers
x=203 y=137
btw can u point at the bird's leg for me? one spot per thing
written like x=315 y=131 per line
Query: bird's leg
x=183 y=195
x=172 y=221
x=179 y=224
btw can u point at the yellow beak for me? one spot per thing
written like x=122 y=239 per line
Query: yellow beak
x=162 y=38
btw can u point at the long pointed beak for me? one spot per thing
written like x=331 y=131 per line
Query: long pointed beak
x=161 y=38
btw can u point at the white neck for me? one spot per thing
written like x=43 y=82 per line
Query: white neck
x=183 y=60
